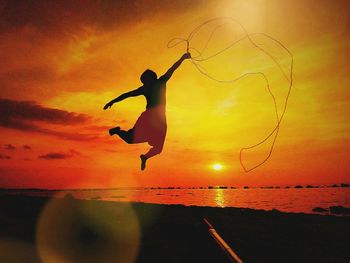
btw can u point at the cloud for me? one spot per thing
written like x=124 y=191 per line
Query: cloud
x=27 y=147
x=54 y=156
x=29 y=110
x=25 y=116
x=65 y=45
x=10 y=147
x=59 y=155
x=2 y=157
x=52 y=17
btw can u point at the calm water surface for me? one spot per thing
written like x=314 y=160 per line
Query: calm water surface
x=288 y=200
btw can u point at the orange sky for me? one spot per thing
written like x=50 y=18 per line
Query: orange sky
x=61 y=62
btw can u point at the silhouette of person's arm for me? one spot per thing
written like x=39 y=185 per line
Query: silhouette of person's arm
x=177 y=64
x=133 y=93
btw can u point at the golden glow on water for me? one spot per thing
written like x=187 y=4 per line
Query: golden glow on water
x=284 y=199
x=219 y=197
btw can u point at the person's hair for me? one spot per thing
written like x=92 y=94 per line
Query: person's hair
x=148 y=76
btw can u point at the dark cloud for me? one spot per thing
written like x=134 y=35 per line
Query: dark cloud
x=59 y=155
x=31 y=111
x=2 y=157
x=27 y=147
x=66 y=16
x=10 y=147
x=54 y=156
x=24 y=115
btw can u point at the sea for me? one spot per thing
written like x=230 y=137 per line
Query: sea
x=296 y=200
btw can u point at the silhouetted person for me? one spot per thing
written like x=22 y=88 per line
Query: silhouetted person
x=151 y=126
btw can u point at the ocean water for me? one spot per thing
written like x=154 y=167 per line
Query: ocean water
x=282 y=199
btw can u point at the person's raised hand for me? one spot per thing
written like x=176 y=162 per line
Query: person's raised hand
x=108 y=105
x=186 y=55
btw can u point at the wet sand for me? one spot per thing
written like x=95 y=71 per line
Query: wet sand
x=99 y=231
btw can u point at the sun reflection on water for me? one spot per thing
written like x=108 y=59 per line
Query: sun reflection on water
x=219 y=197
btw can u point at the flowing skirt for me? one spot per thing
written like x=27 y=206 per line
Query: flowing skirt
x=151 y=127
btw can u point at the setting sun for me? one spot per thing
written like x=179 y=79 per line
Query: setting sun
x=217 y=167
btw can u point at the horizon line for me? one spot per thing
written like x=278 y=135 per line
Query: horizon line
x=183 y=187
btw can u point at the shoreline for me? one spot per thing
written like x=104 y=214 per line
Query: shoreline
x=278 y=200
x=167 y=233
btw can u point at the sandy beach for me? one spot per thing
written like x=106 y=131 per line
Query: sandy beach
x=37 y=229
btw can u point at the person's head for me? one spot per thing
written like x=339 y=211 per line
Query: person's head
x=148 y=76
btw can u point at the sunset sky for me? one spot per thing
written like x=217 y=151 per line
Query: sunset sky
x=62 y=61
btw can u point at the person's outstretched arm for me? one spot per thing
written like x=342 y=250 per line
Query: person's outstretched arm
x=177 y=64
x=132 y=93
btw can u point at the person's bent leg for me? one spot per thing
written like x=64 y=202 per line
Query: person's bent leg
x=157 y=149
x=154 y=151
x=114 y=130
x=127 y=136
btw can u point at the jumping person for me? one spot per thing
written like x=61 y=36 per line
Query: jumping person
x=151 y=126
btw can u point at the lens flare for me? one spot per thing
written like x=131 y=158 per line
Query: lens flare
x=71 y=230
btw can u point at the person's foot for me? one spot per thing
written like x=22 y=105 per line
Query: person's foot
x=143 y=162
x=114 y=131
